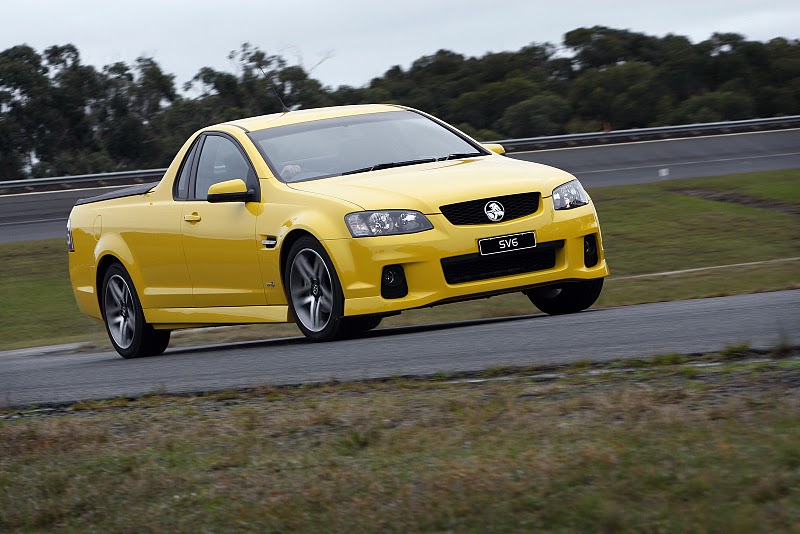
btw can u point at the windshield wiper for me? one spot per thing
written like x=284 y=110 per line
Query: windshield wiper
x=459 y=155
x=389 y=165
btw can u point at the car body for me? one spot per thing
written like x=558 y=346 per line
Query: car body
x=392 y=209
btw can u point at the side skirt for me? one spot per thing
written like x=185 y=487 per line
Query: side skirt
x=171 y=318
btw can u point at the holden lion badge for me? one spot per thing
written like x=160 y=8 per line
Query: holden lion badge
x=494 y=211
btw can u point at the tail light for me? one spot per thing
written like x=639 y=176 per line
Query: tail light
x=70 y=243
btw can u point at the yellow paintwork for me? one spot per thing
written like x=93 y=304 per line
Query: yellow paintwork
x=196 y=263
x=226 y=188
x=495 y=147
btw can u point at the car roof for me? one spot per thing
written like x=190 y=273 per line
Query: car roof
x=252 y=124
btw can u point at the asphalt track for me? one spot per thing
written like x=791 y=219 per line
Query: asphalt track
x=764 y=319
x=32 y=216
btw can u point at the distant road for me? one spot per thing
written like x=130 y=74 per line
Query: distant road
x=704 y=325
x=32 y=216
x=674 y=159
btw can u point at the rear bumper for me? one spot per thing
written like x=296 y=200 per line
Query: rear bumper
x=360 y=262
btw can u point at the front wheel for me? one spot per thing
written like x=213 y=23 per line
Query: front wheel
x=358 y=325
x=130 y=335
x=313 y=290
x=567 y=297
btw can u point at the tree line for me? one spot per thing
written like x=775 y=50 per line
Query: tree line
x=59 y=116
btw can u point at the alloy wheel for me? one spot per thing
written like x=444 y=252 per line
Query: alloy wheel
x=311 y=289
x=120 y=311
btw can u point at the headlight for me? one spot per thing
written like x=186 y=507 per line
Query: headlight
x=389 y=222
x=570 y=195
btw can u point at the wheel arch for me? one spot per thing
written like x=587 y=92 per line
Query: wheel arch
x=286 y=245
x=112 y=248
x=104 y=263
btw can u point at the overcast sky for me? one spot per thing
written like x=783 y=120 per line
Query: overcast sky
x=359 y=40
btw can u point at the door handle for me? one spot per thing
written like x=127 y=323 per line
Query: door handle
x=193 y=218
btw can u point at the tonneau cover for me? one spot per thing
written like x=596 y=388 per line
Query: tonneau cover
x=140 y=189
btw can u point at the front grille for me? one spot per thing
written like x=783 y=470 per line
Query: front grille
x=472 y=211
x=471 y=267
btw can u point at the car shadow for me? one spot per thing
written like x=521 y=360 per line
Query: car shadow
x=379 y=333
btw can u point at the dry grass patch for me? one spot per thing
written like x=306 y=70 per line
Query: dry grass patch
x=652 y=449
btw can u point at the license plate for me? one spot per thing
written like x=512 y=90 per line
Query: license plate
x=506 y=243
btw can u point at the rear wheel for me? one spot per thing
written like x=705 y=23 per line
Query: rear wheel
x=567 y=297
x=313 y=290
x=130 y=335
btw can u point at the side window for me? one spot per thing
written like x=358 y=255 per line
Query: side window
x=181 y=189
x=220 y=160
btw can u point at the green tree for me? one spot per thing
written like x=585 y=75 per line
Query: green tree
x=59 y=116
x=483 y=107
x=543 y=114
x=24 y=99
x=601 y=46
x=714 y=107
x=625 y=95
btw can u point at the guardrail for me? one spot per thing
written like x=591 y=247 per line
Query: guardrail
x=511 y=145
x=649 y=134
x=58 y=183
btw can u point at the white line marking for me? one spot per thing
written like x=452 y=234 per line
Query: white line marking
x=689 y=163
x=670 y=273
x=653 y=141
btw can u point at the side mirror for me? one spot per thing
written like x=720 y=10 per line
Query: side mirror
x=230 y=191
x=494 y=147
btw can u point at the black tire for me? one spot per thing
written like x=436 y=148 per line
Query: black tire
x=357 y=325
x=158 y=341
x=130 y=334
x=313 y=290
x=568 y=297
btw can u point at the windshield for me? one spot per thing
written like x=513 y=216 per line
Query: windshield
x=360 y=143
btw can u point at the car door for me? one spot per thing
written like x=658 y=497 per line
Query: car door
x=219 y=239
x=155 y=236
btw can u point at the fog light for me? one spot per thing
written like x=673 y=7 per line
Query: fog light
x=590 y=256
x=393 y=282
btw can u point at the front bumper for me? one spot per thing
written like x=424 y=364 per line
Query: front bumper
x=360 y=262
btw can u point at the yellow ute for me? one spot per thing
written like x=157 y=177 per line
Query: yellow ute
x=332 y=218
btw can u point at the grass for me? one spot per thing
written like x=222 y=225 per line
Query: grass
x=653 y=228
x=656 y=444
x=36 y=302
x=647 y=228
x=650 y=445
x=717 y=283
x=780 y=186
